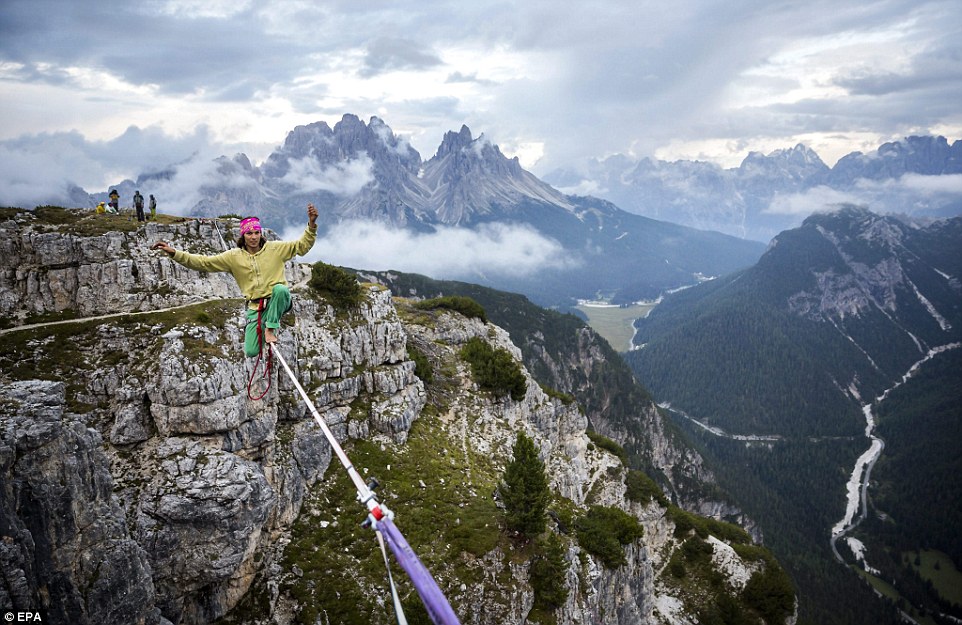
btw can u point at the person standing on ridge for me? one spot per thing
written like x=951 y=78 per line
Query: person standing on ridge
x=114 y=200
x=258 y=267
x=139 y=205
x=153 y=207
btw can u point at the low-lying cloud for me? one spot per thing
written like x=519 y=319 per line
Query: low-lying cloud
x=447 y=253
x=909 y=194
x=816 y=199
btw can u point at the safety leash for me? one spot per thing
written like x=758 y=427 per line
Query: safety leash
x=381 y=520
x=268 y=362
x=401 y=619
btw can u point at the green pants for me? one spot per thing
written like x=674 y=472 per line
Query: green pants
x=274 y=308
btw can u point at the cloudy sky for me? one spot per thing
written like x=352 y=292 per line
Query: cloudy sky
x=93 y=92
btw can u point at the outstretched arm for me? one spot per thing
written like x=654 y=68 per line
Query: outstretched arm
x=217 y=262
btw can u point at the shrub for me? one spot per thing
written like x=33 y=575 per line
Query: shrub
x=696 y=550
x=337 y=285
x=602 y=531
x=686 y=521
x=422 y=367
x=524 y=489
x=642 y=489
x=494 y=370
x=457 y=303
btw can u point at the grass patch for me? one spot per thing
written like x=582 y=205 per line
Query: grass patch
x=87 y=223
x=939 y=569
x=55 y=316
x=69 y=349
x=554 y=393
x=882 y=586
x=10 y=212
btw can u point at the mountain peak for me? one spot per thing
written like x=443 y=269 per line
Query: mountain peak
x=468 y=177
x=800 y=156
x=455 y=141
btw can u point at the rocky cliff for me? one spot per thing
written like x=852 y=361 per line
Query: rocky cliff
x=140 y=484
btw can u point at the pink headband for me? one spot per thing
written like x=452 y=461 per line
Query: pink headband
x=250 y=225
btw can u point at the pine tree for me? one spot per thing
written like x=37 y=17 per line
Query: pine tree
x=547 y=571
x=525 y=489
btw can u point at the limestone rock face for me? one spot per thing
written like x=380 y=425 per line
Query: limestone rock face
x=65 y=545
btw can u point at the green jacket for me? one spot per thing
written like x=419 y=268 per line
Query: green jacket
x=256 y=274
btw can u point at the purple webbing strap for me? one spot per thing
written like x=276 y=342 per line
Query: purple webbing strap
x=434 y=600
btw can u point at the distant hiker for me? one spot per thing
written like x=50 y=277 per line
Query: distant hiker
x=153 y=208
x=114 y=200
x=258 y=267
x=139 y=205
x=101 y=209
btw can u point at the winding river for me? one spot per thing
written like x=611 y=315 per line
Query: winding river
x=856 y=505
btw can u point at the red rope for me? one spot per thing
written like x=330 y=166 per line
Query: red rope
x=268 y=362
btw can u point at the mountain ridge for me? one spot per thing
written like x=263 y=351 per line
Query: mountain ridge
x=801 y=348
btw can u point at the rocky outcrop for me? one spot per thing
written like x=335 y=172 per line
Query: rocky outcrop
x=45 y=270
x=172 y=480
x=192 y=475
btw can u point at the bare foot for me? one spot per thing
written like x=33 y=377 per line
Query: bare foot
x=269 y=336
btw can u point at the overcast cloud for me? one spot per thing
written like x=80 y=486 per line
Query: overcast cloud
x=94 y=92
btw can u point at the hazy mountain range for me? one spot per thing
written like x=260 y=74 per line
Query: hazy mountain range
x=765 y=194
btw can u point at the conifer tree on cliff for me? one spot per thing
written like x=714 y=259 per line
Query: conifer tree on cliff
x=525 y=489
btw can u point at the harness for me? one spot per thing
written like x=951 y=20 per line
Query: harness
x=268 y=362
